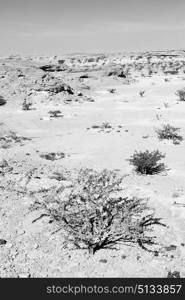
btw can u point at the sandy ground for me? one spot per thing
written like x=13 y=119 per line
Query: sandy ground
x=32 y=250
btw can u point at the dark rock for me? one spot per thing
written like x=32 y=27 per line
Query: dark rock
x=2 y=242
x=84 y=76
x=2 y=101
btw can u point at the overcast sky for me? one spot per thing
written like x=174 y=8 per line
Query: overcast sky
x=63 y=26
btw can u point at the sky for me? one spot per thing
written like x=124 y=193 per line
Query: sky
x=54 y=27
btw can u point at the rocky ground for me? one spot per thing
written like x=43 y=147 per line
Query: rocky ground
x=60 y=114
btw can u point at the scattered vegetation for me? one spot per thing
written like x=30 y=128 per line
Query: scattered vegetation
x=53 y=155
x=118 y=73
x=181 y=94
x=169 y=132
x=55 y=114
x=106 y=127
x=95 y=215
x=112 y=91
x=103 y=126
x=141 y=93
x=26 y=105
x=147 y=162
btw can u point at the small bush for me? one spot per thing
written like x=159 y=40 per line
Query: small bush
x=53 y=155
x=55 y=114
x=147 y=162
x=169 y=132
x=106 y=125
x=26 y=105
x=103 y=126
x=112 y=91
x=181 y=94
x=141 y=93
x=95 y=215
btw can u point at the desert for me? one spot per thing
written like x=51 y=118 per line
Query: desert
x=92 y=127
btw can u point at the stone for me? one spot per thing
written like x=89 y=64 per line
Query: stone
x=3 y=242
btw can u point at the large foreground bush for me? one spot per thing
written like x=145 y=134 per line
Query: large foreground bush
x=96 y=215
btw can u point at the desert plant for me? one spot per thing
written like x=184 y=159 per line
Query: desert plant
x=112 y=91
x=52 y=155
x=26 y=105
x=147 y=162
x=106 y=125
x=95 y=215
x=55 y=114
x=141 y=93
x=181 y=94
x=168 y=132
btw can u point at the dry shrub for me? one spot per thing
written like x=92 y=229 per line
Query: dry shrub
x=147 y=162
x=168 y=132
x=95 y=214
x=181 y=94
